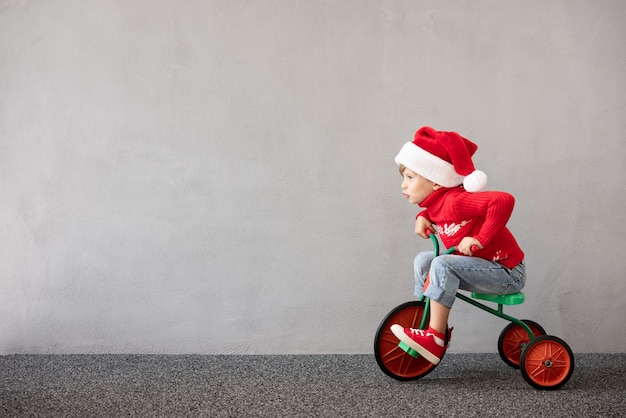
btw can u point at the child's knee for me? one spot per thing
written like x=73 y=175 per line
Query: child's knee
x=444 y=261
x=422 y=261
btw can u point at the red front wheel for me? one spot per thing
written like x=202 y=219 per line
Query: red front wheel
x=547 y=362
x=392 y=360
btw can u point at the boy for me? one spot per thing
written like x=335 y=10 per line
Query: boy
x=439 y=176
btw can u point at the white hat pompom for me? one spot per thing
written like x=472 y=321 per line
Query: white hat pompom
x=475 y=182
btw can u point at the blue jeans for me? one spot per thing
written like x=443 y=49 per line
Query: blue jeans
x=449 y=273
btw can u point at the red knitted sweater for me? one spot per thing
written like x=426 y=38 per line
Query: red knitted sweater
x=459 y=214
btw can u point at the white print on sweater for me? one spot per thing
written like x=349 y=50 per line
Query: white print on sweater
x=452 y=229
x=498 y=256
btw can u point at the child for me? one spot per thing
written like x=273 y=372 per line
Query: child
x=439 y=176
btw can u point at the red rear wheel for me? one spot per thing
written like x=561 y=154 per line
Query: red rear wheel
x=392 y=359
x=514 y=338
x=547 y=362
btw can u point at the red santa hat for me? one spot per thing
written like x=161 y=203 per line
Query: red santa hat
x=444 y=158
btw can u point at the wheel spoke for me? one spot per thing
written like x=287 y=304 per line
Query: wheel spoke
x=520 y=335
x=417 y=316
x=389 y=338
x=405 y=364
x=394 y=354
x=536 y=370
x=513 y=347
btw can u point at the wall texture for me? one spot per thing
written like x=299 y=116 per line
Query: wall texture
x=218 y=176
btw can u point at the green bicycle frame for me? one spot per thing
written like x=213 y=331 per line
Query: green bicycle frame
x=497 y=312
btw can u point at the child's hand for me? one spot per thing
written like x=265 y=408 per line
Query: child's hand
x=466 y=244
x=421 y=225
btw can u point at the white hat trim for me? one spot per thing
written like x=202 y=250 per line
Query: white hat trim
x=428 y=165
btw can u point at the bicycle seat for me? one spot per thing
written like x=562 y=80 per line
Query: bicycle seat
x=511 y=299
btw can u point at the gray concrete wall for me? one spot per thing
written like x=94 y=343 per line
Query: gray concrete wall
x=218 y=176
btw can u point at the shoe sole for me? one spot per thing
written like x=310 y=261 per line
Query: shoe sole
x=398 y=331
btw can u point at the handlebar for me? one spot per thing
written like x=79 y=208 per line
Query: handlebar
x=434 y=239
x=474 y=248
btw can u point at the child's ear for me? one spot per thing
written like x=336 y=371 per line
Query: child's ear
x=436 y=186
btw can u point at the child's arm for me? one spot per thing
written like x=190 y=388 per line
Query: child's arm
x=422 y=224
x=495 y=207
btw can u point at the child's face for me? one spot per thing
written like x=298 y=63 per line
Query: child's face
x=416 y=188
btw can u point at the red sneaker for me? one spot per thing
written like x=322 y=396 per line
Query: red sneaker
x=427 y=342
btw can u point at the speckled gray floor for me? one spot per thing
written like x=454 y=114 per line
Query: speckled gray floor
x=297 y=386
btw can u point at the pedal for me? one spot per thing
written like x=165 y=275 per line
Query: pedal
x=408 y=350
